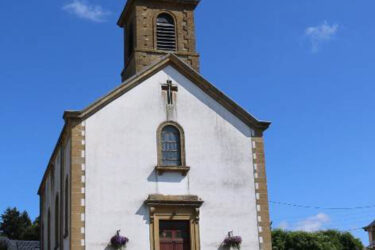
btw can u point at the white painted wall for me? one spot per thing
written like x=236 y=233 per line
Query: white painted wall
x=121 y=153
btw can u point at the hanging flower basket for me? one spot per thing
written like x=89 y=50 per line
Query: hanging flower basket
x=232 y=241
x=118 y=241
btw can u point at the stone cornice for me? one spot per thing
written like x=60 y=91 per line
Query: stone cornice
x=155 y=200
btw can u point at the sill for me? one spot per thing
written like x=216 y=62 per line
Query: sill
x=183 y=170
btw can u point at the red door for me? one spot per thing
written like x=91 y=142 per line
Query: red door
x=174 y=235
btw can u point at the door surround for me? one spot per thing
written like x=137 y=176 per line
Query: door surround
x=174 y=207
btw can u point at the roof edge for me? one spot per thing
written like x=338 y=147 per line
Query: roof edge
x=67 y=116
x=71 y=114
x=51 y=157
x=219 y=96
x=371 y=225
x=264 y=125
x=187 y=71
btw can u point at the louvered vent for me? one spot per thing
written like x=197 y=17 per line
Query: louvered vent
x=165 y=33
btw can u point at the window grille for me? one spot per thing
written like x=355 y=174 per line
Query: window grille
x=171 y=146
x=165 y=33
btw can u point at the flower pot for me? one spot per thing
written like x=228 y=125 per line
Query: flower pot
x=234 y=248
x=118 y=241
x=231 y=248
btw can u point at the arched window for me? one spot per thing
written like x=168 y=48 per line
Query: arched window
x=165 y=32
x=66 y=207
x=53 y=176
x=57 y=226
x=49 y=230
x=171 y=146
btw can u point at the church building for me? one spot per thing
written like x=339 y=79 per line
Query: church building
x=165 y=161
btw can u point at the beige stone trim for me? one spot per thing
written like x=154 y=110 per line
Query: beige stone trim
x=261 y=194
x=155 y=200
x=182 y=142
x=160 y=170
x=77 y=216
x=174 y=207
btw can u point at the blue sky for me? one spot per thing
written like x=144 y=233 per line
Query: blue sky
x=308 y=66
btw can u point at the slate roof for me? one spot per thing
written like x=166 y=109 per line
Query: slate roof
x=19 y=244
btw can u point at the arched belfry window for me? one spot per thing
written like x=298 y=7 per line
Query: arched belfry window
x=165 y=32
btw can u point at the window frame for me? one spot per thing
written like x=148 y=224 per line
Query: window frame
x=130 y=40
x=57 y=222
x=52 y=176
x=66 y=207
x=156 y=31
x=160 y=141
x=49 y=229
x=160 y=168
x=174 y=208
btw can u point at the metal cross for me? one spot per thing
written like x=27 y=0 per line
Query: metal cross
x=170 y=88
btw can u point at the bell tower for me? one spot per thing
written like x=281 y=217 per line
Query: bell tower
x=154 y=28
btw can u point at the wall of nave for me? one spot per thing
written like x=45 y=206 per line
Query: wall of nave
x=54 y=193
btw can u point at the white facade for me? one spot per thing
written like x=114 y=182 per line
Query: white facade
x=121 y=154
